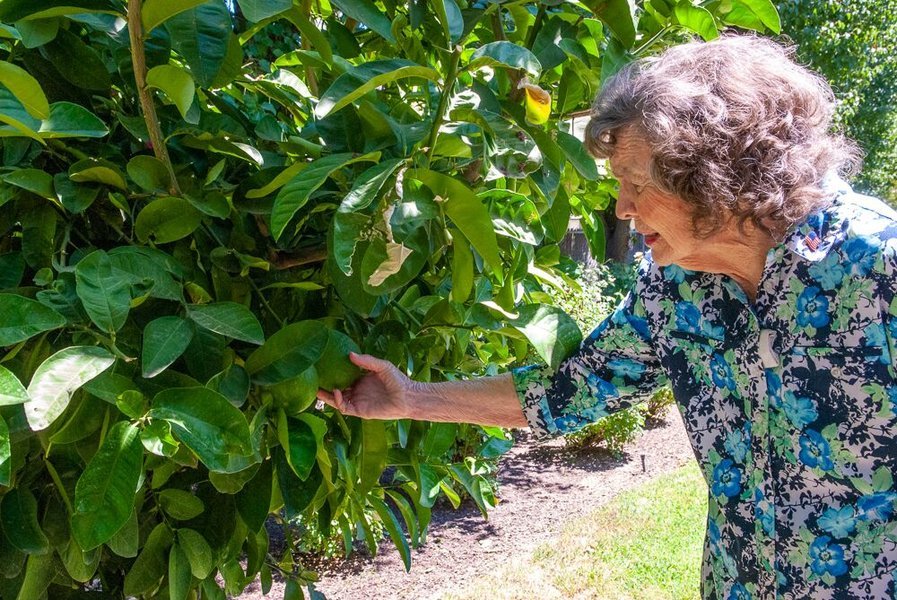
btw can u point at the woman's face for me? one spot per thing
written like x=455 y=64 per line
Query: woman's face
x=663 y=219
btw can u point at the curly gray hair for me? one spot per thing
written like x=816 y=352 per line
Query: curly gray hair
x=736 y=128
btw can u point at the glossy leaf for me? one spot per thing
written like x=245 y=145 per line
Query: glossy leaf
x=164 y=340
x=176 y=83
x=167 y=220
x=68 y=120
x=78 y=63
x=155 y=12
x=5 y=454
x=365 y=11
x=97 y=171
x=24 y=318
x=754 y=14
x=462 y=268
x=201 y=36
x=35 y=181
x=26 y=88
x=449 y=15
x=104 y=495
x=296 y=193
x=288 y=352
x=552 y=332
x=105 y=293
x=254 y=500
x=151 y=564
x=14 y=10
x=18 y=515
x=350 y=218
x=37 y=32
x=149 y=173
x=197 y=551
x=617 y=15
x=298 y=443
x=206 y=423
x=180 y=505
x=507 y=54
x=228 y=319
x=697 y=19
x=125 y=541
x=258 y=10
x=576 y=153
x=179 y=574
x=57 y=378
x=388 y=518
x=360 y=80
x=372 y=457
x=466 y=211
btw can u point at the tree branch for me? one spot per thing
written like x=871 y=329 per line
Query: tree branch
x=138 y=60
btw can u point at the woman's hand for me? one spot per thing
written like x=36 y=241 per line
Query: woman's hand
x=382 y=393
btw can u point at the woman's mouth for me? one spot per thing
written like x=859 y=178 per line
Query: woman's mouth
x=651 y=238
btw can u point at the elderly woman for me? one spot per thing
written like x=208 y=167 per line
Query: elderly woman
x=767 y=301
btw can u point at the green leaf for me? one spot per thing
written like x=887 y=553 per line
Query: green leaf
x=71 y=120
x=57 y=378
x=388 y=518
x=697 y=19
x=347 y=222
x=105 y=294
x=365 y=11
x=467 y=212
x=176 y=83
x=617 y=15
x=14 y=10
x=18 y=515
x=24 y=318
x=254 y=500
x=360 y=80
x=151 y=564
x=5 y=454
x=97 y=171
x=36 y=33
x=166 y=220
x=78 y=63
x=764 y=10
x=198 y=552
x=149 y=173
x=201 y=36
x=552 y=332
x=372 y=455
x=39 y=572
x=577 y=155
x=206 y=423
x=125 y=541
x=298 y=443
x=429 y=485
x=229 y=319
x=296 y=494
x=296 y=193
x=462 y=268
x=882 y=479
x=258 y=10
x=288 y=353
x=75 y=197
x=26 y=89
x=449 y=15
x=310 y=31
x=440 y=438
x=180 y=505
x=507 y=54
x=155 y=12
x=104 y=495
x=179 y=574
x=35 y=181
x=164 y=340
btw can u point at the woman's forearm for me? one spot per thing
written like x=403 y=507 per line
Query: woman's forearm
x=484 y=401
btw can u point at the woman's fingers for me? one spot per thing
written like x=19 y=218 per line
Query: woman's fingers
x=370 y=363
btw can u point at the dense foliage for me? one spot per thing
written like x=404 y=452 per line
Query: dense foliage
x=193 y=237
x=853 y=43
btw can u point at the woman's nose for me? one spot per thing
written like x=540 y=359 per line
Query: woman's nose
x=625 y=208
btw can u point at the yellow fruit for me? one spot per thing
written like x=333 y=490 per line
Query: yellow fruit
x=537 y=102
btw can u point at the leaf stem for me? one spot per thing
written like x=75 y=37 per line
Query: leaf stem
x=534 y=30
x=650 y=41
x=443 y=101
x=267 y=306
x=138 y=60
x=55 y=477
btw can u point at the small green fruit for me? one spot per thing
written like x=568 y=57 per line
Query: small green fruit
x=335 y=370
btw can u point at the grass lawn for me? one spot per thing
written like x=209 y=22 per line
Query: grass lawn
x=644 y=544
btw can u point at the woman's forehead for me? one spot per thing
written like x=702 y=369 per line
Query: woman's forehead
x=631 y=155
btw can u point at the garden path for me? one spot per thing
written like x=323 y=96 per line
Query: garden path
x=541 y=487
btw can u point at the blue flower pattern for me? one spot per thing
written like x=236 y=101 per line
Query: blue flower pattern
x=800 y=453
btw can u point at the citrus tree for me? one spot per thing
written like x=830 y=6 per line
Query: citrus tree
x=198 y=224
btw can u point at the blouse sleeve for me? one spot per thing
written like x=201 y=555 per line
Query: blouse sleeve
x=614 y=368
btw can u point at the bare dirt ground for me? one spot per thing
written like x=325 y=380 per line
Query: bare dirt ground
x=541 y=486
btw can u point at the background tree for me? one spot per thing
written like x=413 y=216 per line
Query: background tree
x=854 y=45
x=194 y=236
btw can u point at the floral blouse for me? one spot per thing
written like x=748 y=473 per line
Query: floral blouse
x=790 y=402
